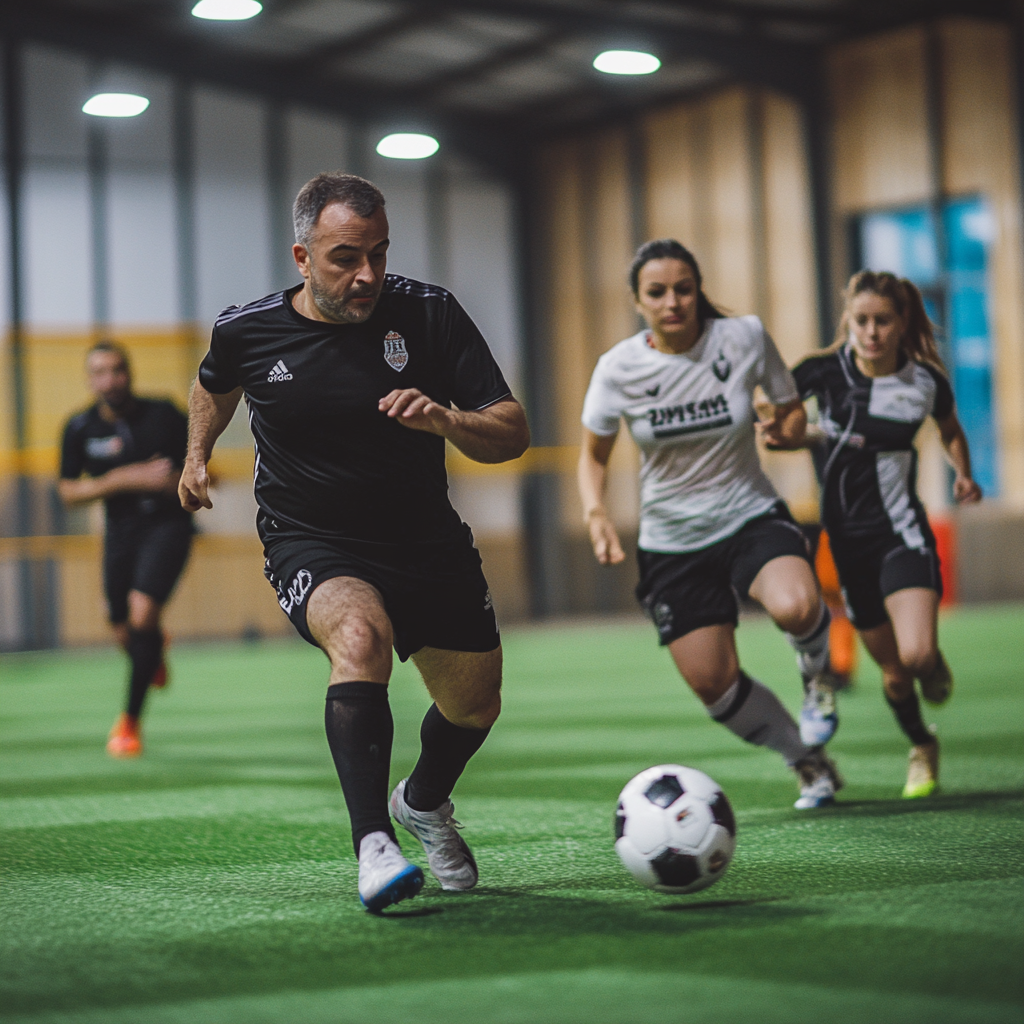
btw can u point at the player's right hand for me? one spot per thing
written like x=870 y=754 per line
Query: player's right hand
x=194 y=487
x=605 y=539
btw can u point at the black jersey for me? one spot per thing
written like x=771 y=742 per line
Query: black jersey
x=327 y=460
x=867 y=466
x=152 y=428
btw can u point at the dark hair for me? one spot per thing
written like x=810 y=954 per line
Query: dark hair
x=918 y=340
x=106 y=345
x=358 y=194
x=670 y=249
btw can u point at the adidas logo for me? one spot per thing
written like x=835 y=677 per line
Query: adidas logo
x=279 y=372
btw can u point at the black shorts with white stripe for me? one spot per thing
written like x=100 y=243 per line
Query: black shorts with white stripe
x=684 y=591
x=870 y=569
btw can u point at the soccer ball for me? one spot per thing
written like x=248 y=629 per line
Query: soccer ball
x=674 y=829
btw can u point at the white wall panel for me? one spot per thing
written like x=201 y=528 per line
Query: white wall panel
x=482 y=265
x=56 y=86
x=149 y=138
x=58 y=278
x=233 y=256
x=315 y=143
x=143 y=272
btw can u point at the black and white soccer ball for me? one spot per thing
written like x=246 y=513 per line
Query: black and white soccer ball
x=674 y=829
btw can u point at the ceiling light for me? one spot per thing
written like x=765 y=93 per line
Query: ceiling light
x=227 y=10
x=626 y=62
x=405 y=146
x=115 y=104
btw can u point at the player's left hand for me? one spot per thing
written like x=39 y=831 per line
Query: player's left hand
x=415 y=410
x=966 y=491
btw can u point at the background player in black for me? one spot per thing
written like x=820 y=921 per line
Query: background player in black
x=875 y=387
x=350 y=382
x=132 y=449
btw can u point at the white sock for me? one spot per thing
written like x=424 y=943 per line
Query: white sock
x=812 y=653
x=750 y=710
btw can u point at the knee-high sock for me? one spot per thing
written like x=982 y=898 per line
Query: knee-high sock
x=360 y=730
x=446 y=750
x=908 y=715
x=750 y=710
x=812 y=648
x=145 y=648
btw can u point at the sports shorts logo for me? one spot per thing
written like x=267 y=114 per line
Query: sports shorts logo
x=395 y=352
x=296 y=591
x=279 y=372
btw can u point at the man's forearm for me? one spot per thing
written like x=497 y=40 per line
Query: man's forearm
x=495 y=434
x=208 y=418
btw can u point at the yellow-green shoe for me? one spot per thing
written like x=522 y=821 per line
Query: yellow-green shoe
x=922 y=771
x=937 y=687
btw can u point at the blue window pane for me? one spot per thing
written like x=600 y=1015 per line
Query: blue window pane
x=905 y=242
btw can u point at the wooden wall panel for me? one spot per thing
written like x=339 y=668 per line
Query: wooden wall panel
x=880 y=135
x=981 y=155
x=668 y=156
x=728 y=269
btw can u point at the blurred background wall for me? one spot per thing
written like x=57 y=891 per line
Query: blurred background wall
x=143 y=229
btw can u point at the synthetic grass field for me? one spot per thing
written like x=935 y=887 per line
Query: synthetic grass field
x=213 y=881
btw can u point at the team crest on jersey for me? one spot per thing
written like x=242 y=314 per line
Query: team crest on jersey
x=395 y=352
x=721 y=367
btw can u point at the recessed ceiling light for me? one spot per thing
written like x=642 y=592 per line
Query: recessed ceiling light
x=227 y=10
x=407 y=146
x=626 y=62
x=115 y=104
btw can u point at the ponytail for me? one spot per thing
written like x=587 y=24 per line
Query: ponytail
x=918 y=341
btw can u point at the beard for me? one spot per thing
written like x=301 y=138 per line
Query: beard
x=336 y=308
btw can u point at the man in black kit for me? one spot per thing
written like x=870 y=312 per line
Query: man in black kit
x=132 y=450
x=350 y=381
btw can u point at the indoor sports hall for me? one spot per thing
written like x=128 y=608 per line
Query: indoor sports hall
x=151 y=152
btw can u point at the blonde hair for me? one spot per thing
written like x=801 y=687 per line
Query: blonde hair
x=918 y=341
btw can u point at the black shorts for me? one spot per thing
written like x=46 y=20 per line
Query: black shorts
x=434 y=594
x=870 y=569
x=685 y=591
x=144 y=555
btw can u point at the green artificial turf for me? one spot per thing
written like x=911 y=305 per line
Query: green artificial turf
x=212 y=881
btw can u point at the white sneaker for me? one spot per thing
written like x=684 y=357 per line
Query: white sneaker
x=818 y=717
x=385 y=876
x=450 y=859
x=819 y=780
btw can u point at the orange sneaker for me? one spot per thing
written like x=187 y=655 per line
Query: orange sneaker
x=125 y=738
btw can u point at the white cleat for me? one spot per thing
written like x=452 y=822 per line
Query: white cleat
x=818 y=717
x=450 y=859
x=819 y=781
x=385 y=876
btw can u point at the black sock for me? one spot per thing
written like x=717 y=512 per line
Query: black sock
x=908 y=714
x=359 y=731
x=145 y=648
x=446 y=750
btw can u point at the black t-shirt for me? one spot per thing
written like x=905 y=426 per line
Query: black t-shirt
x=153 y=428
x=867 y=466
x=327 y=460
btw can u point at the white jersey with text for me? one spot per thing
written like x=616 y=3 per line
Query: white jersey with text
x=692 y=417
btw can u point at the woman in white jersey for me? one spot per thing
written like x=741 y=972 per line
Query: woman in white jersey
x=875 y=387
x=711 y=524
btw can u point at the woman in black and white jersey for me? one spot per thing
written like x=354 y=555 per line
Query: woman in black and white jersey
x=875 y=387
x=711 y=524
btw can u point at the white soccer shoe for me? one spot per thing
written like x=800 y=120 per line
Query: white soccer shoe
x=385 y=876
x=818 y=717
x=819 y=781
x=450 y=859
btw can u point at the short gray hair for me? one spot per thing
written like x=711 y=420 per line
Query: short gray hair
x=358 y=194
